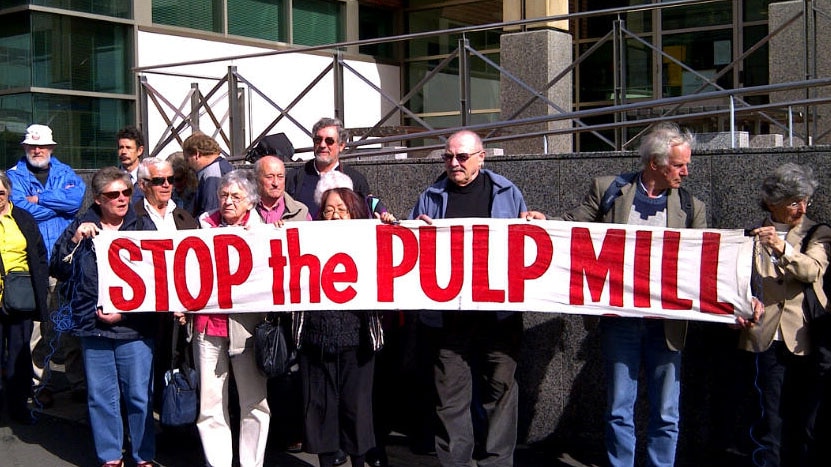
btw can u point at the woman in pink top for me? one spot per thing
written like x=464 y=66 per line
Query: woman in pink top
x=222 y=341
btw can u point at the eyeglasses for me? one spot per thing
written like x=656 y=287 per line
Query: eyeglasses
x=796 y=204
x=235 y=198
x=330 y=211
x=159 y=181
x=329 y=140
x=115 y=194
x=461 y=157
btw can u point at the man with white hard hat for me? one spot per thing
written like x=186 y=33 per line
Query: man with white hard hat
x=51 y=192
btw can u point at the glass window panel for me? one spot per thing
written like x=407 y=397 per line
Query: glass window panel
x=81 y=54
x=599 y=26
x=706 y=52
x=756 y=10
x=263 y=19
x=15 y=116
x=15 y=52
x=756 y=65
x=697 y=16
x=316 y=22
x=375 y=23
x=450 y=17
x=205 y=15
x=117 y=8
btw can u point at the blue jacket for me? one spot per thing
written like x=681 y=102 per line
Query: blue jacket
x=506 y=203
x=80 y=282
x=58 y=201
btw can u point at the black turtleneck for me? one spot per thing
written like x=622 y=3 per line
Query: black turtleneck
x=42 y=174
x=471 y=200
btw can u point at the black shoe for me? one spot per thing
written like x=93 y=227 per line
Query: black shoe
x=340 y=458
x=377 y=457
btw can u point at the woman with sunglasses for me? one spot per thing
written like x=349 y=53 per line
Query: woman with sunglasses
x=336 y=352
x=117 y=347
x=223 y=343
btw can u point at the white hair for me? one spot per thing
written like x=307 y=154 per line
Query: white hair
x=330 y=180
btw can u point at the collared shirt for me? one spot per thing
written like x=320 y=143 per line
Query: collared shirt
x=12 y=244
x=163 y=221
x=274 y=214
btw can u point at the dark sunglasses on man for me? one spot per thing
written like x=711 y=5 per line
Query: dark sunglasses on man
x=329 y=140
x=159 y=181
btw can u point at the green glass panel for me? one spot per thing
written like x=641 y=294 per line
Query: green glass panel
x=756 y=65
x=697 y=16
x=262 y=19
x=316 y=22
x=756 y=10
x=83 y=127
x=706 y=52
x=117 y=8
x=376 y=23
x=450 y=17
x=81 y=54
x=15 y=51
x=595 y=27
x=205 y=15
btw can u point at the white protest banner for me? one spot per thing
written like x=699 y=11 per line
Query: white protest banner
x=459 y=264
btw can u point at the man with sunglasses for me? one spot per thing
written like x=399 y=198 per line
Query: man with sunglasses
x=329 y=139
x=203 y=155
x=52 y=193
x=653 y=197
x=468 y=342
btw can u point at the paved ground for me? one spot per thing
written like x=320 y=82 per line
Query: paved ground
x=61 y=437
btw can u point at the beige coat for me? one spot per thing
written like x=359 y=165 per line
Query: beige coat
x=780 y=287
x=675 y=331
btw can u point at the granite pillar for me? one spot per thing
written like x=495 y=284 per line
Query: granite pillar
x=536 y=57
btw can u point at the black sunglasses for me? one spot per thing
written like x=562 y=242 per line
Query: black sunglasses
x=159 y=181
x=461 y=157
x=114 y=194
x=329 y=140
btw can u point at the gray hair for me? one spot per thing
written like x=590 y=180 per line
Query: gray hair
x=657 y=144
x=4 y=179
x=325 y=122
x=787 y=182
x=145 y=164
x=107 y=175
x=244 y=179
x=330 y=180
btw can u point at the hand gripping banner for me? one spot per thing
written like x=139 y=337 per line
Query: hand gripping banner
x=458 y=264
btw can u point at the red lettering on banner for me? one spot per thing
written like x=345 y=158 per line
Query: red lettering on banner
x=330 y=277
x=297 y=262
x=126 y=274
x=480 y=279
x=596 y=268
x=225 y=279
x=518 y=273
x=386 y=272
x=277 y=263
x=157 y=249
x=709 y=276
x=206 y=273
x=427 y=265
x=642 y=268
x=669 y=274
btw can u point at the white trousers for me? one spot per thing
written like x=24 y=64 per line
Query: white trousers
x=212 y=360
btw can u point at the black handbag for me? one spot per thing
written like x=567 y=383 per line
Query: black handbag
x=18 y=293
x=180 y=398
x=271 y=347
x=818 y=319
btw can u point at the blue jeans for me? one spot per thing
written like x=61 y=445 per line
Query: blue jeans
x=119 y=369
x=626 y=343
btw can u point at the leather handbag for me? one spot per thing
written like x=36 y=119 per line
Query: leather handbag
x=271 y=347
x=180 y=398
x=817 y=316
x=18 y=292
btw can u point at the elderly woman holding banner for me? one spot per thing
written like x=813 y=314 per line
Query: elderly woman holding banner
x=786 y=261
x=223 y=341
x=117 y=347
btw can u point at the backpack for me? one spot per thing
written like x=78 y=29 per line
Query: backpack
x=622 y=180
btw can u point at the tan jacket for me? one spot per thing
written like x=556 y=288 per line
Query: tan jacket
x=779 y=287
x=675 y=330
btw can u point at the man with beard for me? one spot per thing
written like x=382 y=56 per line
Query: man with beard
x=52 y=193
